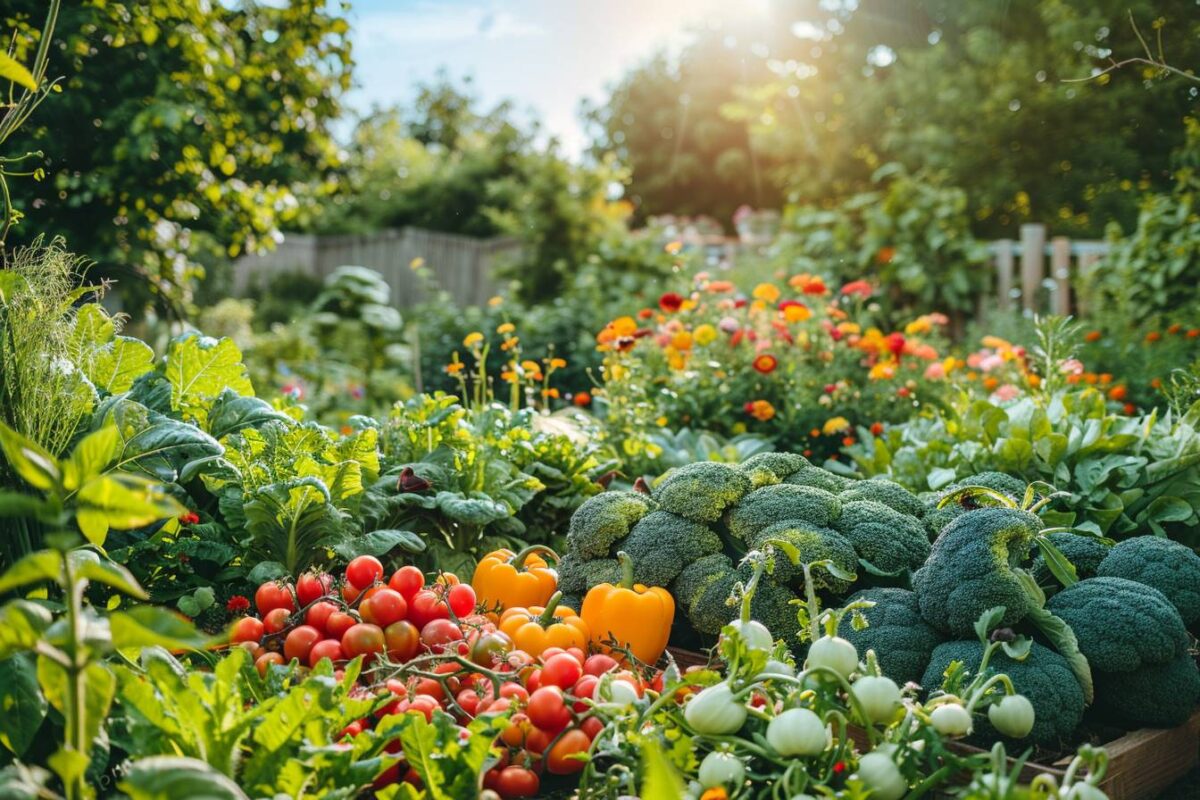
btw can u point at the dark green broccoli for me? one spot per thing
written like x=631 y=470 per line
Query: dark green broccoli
x=765 y=469
x=903 y=642
x=701 y=491
x=971 y=569
x=571 y=577
x=996 y=481
x=815 y=543
x=1085 y=552
x=603 y=520
x=571 y=601
x=1120 y=625
x=1170 y=567
x=936 y=519
x=697 y=576
x=781 y=503
x=771 y=605
x=1159 y=696
x=1044 y=677
x=661 y=544
x=890 y=493
x=819 y=479
x=889 y=541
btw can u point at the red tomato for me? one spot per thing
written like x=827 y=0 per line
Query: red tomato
x=561 y=670
x=514 y=781
x=490 y=648
x=337 y=623
x=513 y=734
x=274 y=595
x=265 y=661
x=515 y=692
x=427 y=606
x=425 y=705
x=326 y=648
x=461 y=598
x=299 y=642
x=318 y=615
x=362 y=639
x=350 y=593
x=363 y=571
x=579 y=655
x=428 y=687
x=312 y=586
x=584 y=689
x=599 y=664
x=559 y=760
x=533 y=680
x=407 y=581
x=383 y=607
x=247 y=629
x=468 y=701
x=537 y=739
x=550 y=652
x=276 y=620
x=402 y=640
x=439 y=633
x=548 y=710
x=591 y=726
x=352 y=730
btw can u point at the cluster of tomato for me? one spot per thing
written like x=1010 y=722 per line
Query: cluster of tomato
x=429 y=647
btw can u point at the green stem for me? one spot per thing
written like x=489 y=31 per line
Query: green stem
x=518 y=561
x=547 y=616
x=626 y=570
x=74 y=734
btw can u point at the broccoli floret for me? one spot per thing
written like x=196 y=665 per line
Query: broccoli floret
x=1120 y=625
x=996 y=481
x=701 y=491
x=1044 y=677
x=1159 y=696
x=603 y=520
x=601 y=570
x=781 y=503
x=889 y=541
x=936 y=519
x=571 y=577
x=697 y=576
x=903 y=642
x=1085 y=552
x=819 y=479
x=1170 y=567
x=771 y=605
x=890 y=493
x=971 y=569
x=765 y=469
x=661 y=544
x=571 y=601
x=815 y=543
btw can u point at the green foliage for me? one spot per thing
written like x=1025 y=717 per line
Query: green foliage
x=1084 y=552
x=812 y=543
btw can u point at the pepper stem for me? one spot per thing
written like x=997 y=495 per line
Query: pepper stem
x=626 y=569
x=547 y=615
x=518 y=561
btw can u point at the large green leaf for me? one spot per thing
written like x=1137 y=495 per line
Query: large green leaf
x=22 y=705
x=91 y=566
x=29 y=460
x=155 y=445
x=292 y=522
x=121 y=501
x=172 y=777
x=100 y=687
x=146 y=626
x=471 y=510
x=22 y=623
x=380 y=543
x=199 y=368
x=89 y=458
x=109 y=361
x=232 y=412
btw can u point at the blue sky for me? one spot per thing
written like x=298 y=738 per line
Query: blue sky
x=546 y=55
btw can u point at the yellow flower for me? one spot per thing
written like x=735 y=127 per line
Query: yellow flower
x=618 y=371
x=531 y=366
x=704 y=334
x=495 y=301
x=996 y=343
x=849 y=328
x=739 y=428
x=767 y=292
x=472 y=339
x=673 y=247
x=835 y=425
x=416 y=263
x=677 y=360
x=550 y=392
x=682 y=341
x=506 y=327
x=509 y=343
x=796 y=312
x=454 y=367
x=662 y=422
x=882 y=371
x=918 y=325
x=557 y=363
x=509 y=375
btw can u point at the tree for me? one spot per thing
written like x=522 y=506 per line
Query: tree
x=196 y=130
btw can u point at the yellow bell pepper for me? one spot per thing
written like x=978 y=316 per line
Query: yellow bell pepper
x=504 y=579
x=536 y=629
x=629 y=617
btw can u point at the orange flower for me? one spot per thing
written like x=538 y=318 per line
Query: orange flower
x=761 y=410
x=582 y=399
x=767 y=292
x=682 y=341
x=885 y=255
x=876 y=428
x=1130 y=409
x=1118 y=392
x=1092 y=336
x=550 y=392
x=1176 y=328
x=505 y=328
x=715 y=793
x=645 y=313
x=860 y=288
x=509 y=343
x=848 y=441
x=765 y=363
x=795 y=311
x=1156 y=383
x=720 y=287
x=454 y=367
x=1153 y=336
x=1193 y=333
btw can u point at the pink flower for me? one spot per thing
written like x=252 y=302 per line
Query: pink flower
x=991 y=361
x=974 y=360
x=1005 y=393
x=1071 y=366
x=935 y=371
x=728 y=324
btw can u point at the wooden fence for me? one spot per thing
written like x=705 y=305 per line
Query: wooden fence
x=462 y=265
x=1039 y=290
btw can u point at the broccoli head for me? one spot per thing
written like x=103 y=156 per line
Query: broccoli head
x=697 y=576
x=781 y=503
x=996 y=481
x=1044 y=677
x=819 y=478
x=936 y=519
x=765 y=469
x=1159 y=696
x=701 y=491
x=1120 y=625
x=771 y=605
x=661 y=544
x=603 y=520
x=890 y=493
x=903 y=642
x=1085 y=552
x=1170 y=567
x=815 y=543
x=971 y=569
x=571 y=578
x=889 y=541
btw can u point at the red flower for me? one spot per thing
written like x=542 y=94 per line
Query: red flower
x=895 y=343
x=670 y=302
x=860 y=288
x=765 y=364
x=877 y=428
x=839 y=767
x=582 y=399
x=645 y=313
x=237 y=604
x=190 y=518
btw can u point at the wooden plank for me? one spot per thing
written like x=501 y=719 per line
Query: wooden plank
x=1033 y=265
x=1060 y=271
x=1004 y=273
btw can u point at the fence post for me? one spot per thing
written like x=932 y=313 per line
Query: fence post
x=1060 y=270
x=1033 y=264
x=1004 y=273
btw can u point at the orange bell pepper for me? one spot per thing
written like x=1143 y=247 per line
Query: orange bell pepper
x=632 y=617
x=504 y=579
x=535 y=629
